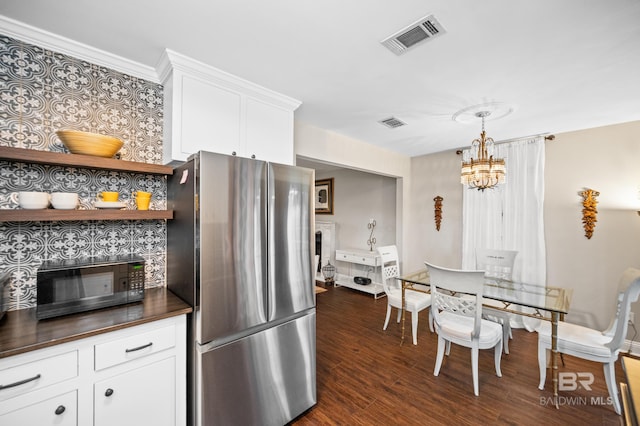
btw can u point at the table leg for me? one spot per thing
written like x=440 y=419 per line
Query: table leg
x=403 y=312
x=554 y=355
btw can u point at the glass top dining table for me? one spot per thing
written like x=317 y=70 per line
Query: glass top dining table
x=530 y=300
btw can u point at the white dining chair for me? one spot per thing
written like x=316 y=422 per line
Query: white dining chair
x=457 y=316
x=414 y=301
x=497 y=264
x=594 y=345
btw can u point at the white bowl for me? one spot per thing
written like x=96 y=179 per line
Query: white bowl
x=64 y=200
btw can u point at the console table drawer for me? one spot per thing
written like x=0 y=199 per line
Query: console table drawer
x=359 y=258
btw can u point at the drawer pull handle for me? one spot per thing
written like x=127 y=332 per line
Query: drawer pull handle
x=21 y=382
x=108 y=392
x=138 y=348
x=60 y=410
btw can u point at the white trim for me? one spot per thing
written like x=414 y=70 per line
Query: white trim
x=172 y=60
x=630 y=347
x=50 y=41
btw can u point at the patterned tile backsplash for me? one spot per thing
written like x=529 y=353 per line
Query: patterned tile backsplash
x=43 y=91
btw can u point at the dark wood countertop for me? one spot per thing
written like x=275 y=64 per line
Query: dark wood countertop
x=21 y=332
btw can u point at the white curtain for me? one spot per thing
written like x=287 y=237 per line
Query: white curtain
x=510 y=216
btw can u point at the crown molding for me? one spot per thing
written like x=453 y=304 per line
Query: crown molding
x=54 y=42
x=172 y=60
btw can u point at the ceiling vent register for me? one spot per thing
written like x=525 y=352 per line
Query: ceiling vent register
x=392 y=122
x=423 y=29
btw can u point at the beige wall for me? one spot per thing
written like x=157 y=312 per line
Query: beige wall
x=324 y=146
x=605 y=159
x=432 y=175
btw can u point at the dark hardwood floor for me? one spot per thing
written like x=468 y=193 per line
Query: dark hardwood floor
x=364 y=376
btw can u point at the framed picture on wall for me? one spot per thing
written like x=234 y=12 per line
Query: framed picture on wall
x=324 y=196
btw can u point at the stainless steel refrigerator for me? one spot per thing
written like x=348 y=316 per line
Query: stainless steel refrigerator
x=239 y=250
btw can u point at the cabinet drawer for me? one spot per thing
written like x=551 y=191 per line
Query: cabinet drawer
x=356 y=258
x=37 y=374
x=134 y=347
x=61 y=410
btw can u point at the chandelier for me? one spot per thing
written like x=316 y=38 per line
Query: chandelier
x=482 y=171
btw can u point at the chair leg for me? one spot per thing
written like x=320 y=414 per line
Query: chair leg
x=399 y=316
x=610 y=378
x=386 y=320
x=430 y=320
x=506 y=331
x=439 y=355
x=474 y=368
x=414 y=327
x=497 y=357
x=542 y=364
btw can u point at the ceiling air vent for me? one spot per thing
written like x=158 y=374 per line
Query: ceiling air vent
x=426 y=28
x=392 y=122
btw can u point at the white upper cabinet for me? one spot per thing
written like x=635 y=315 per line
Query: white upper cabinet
x=208 y=109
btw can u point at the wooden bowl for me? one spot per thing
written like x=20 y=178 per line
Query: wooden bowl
x=90 y=143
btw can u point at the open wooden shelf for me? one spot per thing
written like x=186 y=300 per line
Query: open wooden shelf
x=85 y=161
x=48 y=215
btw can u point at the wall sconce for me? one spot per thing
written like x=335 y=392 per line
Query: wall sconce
x=438 y=211
x=589 y=211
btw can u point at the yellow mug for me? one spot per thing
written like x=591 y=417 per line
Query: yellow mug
x=142 y=203
x=108 y=196
x=142 y=194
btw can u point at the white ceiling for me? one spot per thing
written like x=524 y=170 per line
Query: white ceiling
x=562 y=65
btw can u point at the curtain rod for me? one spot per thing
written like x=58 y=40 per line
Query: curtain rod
x=547 y=137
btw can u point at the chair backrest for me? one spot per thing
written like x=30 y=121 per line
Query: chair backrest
x=496 y=263
x=630 y=284
x=456 y=291
x=390 y=267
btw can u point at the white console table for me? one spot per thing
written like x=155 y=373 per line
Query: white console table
x=360 y=257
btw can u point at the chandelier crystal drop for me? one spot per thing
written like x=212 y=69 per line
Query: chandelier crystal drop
x=482 y=171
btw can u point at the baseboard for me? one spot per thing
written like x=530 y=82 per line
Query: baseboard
x=631 y=347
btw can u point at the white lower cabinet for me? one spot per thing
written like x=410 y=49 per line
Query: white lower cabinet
x=134 y=376
x=151 y=386
x=61 y=410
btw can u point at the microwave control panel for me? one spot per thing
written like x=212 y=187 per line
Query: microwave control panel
x=136 y=281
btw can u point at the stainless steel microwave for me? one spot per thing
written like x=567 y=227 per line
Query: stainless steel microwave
x=77 y=285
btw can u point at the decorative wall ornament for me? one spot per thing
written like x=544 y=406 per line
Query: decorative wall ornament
x=589 y=211
x=438 y=211
x=372 y=240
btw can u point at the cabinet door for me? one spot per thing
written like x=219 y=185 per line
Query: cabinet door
x=269 y=132
x=60 y=411
x=210 y=118
x=144 y=396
